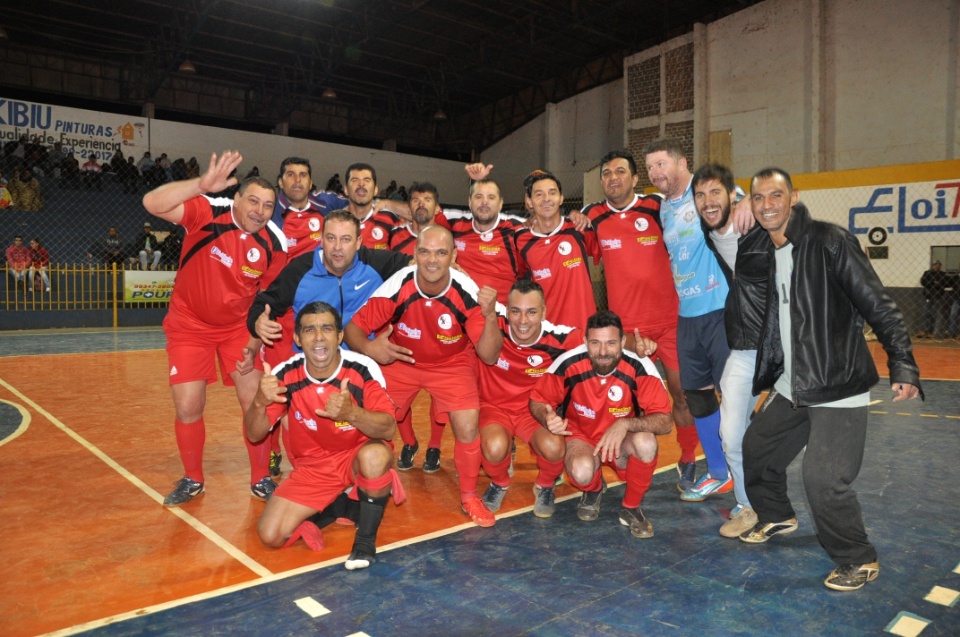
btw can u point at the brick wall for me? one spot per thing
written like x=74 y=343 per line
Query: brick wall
x=679 y=78
x=643 y=89
x=637 y=140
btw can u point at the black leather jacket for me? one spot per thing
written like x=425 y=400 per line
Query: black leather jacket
x=833 y=289
x=746 y=302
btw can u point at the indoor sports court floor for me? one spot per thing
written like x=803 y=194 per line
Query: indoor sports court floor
x=88 y=452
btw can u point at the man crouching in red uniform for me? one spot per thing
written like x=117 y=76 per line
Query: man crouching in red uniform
x=610 y=403
x=339 y=421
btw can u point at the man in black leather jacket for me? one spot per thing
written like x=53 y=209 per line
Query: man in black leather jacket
x=813 y=355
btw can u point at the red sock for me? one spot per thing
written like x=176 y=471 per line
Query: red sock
x=190 y=439
x=499 y=472
x=436 y=433
x=405 y=427
x=639 y=477
x=595 y=484
x=275 y=439
x=466 y=458
x=259 y=454
x=549 y=472
x=688 y=441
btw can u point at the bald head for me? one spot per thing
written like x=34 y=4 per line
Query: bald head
x=434 y=255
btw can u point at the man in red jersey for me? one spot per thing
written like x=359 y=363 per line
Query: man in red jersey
x=530 y=345
x=484 y=235
x=432 y=322
x=639 y=283
x=424 y=208
x=556 y=253
x=231 y=250
x=375 y=224
x=609 y=403
x=341 y=422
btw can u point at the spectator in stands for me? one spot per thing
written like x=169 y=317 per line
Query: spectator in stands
x=35 y=156
x=110 y=249
x=25 y=190
x=18 y=260
x=170 y=248
x=54 y=160
x=254 y=172
x=128 y=175
x=92 y=173
x=70 y=171
x=149 y=248
x=935 y=283
x=178 y=169
x=193 y=168
x=6 y=199
x=39 y=260
x=116 y=163
x=391 y=190
x=401 y=194
x=146 y=163
x=163 y=163
x=14 y=153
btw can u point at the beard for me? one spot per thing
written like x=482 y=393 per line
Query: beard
x=603 y=365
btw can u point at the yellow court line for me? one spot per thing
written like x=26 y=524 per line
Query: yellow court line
x=23 y=424
x=203 y=529
x=929 y=416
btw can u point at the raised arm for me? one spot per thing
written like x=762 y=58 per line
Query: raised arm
x=166 y=202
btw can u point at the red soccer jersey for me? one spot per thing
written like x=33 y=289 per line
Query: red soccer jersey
x=303 y=230
x=558 y=262
x=639 y=280
x=434 y=328
x=402 y=239
x=221 y=266
x=375 y=229
x=309 y=433
x=491 y=257
x=590 y=402
x=508 y=382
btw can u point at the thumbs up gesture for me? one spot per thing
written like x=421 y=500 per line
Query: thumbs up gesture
x=340 y=405
x=271 y=390
x=556 y=424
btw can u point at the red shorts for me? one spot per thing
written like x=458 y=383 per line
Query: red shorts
x=316 y=481
x=666 y=338
x=452 y=385
x=519 y=423
x=193 y=353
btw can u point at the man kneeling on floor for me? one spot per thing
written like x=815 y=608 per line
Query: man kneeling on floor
x=340 y=421
x=610 y=403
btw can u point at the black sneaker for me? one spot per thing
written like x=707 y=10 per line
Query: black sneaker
x=185 y=490
x=275 y=460
x=264 y=489
x=688 y=475
x=588 y=509
x=851 y=577
x=763 y=531
x=431 y=464
x=360 y=558
x=405 y=462
x=639 y=525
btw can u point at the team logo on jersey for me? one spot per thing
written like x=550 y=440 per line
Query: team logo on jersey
x=461 y=246
x=222 y=256
x=543 y=273
x=610 y=244
x=313 y=224
x=502 y=364
x=615 y=393
x=534 y=361
x=585 y=411
x=409 y=332
x=564 y=248
x=253 y=255
x=641 y=224
x=689 y=215
x=486 y=236
x=445 y=321
x=377 y=233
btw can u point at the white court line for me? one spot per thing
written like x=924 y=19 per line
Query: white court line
x=204 y=530
x=149 y=610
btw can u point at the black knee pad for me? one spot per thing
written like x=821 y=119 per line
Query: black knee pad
x=702 y=402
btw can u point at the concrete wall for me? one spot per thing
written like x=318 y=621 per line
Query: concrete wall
x=568 y=139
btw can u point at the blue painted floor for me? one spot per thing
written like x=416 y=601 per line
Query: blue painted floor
x=561 y=576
